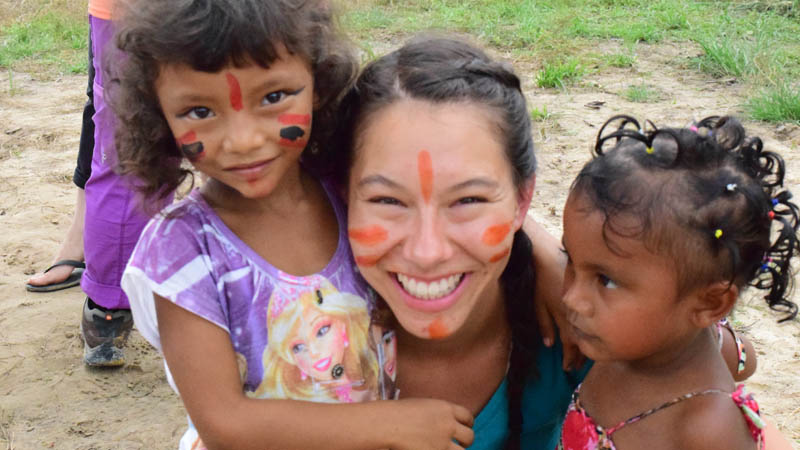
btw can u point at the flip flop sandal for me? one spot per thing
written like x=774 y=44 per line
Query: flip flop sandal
x=73 y=279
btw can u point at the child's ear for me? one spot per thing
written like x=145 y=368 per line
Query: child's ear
x=714 y=302
x=525 y=196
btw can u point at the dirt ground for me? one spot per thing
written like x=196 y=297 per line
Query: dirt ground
x=49 y=399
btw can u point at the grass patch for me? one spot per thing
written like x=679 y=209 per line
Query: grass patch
x=540 y=114
x=46 y=42
x=559 y=74
x=621 y=60
x=779 y=103
x=641 y=93
x=723 y=56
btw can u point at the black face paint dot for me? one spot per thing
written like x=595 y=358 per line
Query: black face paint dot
x=292 y=133
x=192 y=150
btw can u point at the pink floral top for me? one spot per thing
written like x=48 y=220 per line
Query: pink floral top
x=580 y=432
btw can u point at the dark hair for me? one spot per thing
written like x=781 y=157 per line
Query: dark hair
x=208 y=35
x=706 y=195
x=447 y=70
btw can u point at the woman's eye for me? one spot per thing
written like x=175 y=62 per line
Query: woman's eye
x=385 y=201
x=607 y=282
x=274 y=97
x=470 y=200
x=323 y=330
x=199 y=112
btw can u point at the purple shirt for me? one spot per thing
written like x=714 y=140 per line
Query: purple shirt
x=301 y=337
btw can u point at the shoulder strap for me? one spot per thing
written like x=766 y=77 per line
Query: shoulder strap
x=664 y=405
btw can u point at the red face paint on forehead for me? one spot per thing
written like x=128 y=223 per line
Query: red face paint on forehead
x=437 y=329
x=425 y=167
x=235 y=92
x=496 y=234
x=500 y=255
x=295 y=119
x=369 y=236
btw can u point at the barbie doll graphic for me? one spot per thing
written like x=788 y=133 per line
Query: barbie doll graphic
x=318 y=345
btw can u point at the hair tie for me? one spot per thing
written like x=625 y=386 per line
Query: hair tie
x=771 y=215
x=774 y=202
x=718 y=233
x=693 y=128
x=649 y=150
x=731 y=187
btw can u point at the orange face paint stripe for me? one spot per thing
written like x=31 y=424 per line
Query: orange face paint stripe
x=366 y=261
x=425 y=166
x=437 y=329
x=235 y=92
x=369 y=236
x=496 y=234
x=295 y=119
x=500 y=255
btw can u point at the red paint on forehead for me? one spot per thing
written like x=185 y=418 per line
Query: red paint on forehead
x=235 y=92
x=369 y=236
x=425 y=167
x=437 y=329
x=297 y=143
x=366 y=260
x=187 y=138
x=496 y=234
x=500 y=255
x=295 y=119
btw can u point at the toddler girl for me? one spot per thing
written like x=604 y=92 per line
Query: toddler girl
x=663 y=230
x=234 y=86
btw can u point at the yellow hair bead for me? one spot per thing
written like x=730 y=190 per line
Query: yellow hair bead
x=718 y=233
x=649 y=150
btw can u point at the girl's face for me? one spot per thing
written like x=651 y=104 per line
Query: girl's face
x=245 y=127
x=622 y=304
x=432 y=214
x=319 y=344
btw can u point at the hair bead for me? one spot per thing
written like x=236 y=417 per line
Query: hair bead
x=718 y=233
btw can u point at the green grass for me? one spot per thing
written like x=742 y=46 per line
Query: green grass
x=540 y=114
x=559 y=74
x=641 y=93
x=48 y=41
x=779 y=103
x=621 y=60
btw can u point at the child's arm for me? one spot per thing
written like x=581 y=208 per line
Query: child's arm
x=549 y=261
x=773 y=438
x=203 y=364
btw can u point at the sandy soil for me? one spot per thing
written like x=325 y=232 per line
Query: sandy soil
x=49 y=399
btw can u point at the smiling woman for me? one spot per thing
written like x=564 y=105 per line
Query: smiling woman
x=441 y=177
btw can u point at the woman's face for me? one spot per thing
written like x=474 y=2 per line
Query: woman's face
x=432 y=213
x=319 y=344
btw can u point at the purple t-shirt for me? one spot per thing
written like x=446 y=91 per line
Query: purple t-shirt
x=299 y=337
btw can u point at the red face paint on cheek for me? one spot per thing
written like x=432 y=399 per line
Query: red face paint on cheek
x=190 y=146
x=496 y=233
x=500 y=255
x=295 y=119
x=437 y=329
x=425 y=167
x=235 y=92
x=366 y=260
x=369 y=236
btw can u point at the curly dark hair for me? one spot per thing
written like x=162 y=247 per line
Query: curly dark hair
x=209 y=35
x=708 y=196
x=444 y=70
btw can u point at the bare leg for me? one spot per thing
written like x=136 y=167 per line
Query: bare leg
x=71 y=247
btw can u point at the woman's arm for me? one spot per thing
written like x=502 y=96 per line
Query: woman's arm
x=550 y=261
x=203 y=364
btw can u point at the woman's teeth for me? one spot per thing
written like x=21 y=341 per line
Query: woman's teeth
x=432 y=290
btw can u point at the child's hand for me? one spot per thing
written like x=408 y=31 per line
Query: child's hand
x=422 y=424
